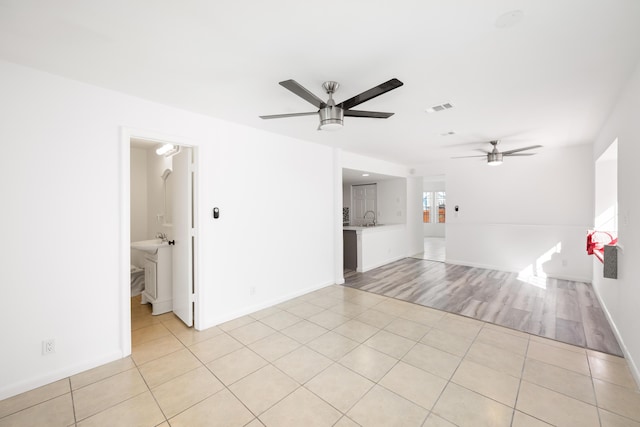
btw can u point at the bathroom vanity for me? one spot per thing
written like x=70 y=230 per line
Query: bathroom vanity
x=158 y=287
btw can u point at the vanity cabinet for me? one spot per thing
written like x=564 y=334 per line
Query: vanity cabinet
x=150 y=278
x=158 y=287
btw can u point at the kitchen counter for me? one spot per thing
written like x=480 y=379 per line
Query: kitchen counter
x=372 y=227
x=369 y=247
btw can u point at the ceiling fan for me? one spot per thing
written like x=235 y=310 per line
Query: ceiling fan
x=494 y=157
x=332 y=114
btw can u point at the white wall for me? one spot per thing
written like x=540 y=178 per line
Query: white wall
x=360 y=162
x=346 y=196
x=434 y=229
x=620 y=297
x=138 y=194
x=392 y=201
x=69 y=251
x=156 y=165
x=606 y=188
x=529 y=214
x=378 y=246
x=261 y=240
x=415 y=240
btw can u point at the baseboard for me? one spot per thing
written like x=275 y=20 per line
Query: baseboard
x=497 y=268
x=266 y=304
x=633 y=367
x=380 y=264
x=11 y=390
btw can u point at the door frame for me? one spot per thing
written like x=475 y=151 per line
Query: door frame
x=126 y=133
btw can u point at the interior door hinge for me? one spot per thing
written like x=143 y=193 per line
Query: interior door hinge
x=192 y=232
x=192 y=297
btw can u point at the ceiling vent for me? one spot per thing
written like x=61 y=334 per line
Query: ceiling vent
x=441 y=107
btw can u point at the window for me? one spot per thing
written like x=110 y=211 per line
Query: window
x=432 y=200
x=441 y=198
x=426 y=206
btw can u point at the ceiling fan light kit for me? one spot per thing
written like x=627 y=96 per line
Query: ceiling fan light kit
x=331 y=118
x=332 y=115
x=494 y=159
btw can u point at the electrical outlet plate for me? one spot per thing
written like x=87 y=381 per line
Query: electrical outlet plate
x=48 y=347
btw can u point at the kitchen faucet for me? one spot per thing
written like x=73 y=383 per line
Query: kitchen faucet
x=374 y=216
x=162 y=236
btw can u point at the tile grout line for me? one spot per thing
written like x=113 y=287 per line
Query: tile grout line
x=524 y=364
x=73 y=404
x=593 y=385
x=452 y=375
x=337 y=362
x=203 y=364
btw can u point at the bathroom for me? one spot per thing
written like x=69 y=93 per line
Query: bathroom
x=151 y=195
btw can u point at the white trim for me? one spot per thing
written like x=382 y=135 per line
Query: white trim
x=52 y=376
x=266 y=304
x=125 y=241
x=493 y=267
x=380 y=264
x=338 y=245
x=628 y=357
x=126 y=133
x=195 y=191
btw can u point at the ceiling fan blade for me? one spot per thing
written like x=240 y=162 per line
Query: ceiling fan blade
x=506 y=153
x=372 y=114
x=468 y=157
x=280 y=116
x=370 y=94
x=518 y=154
x=303 y=93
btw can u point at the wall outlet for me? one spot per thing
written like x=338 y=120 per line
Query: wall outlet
x=565 y=262
x=252 y=290
x=48 y=347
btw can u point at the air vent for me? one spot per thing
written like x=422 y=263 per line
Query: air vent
x=441 y=107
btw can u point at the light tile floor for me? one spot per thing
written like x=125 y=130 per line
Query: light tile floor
x=338 y=357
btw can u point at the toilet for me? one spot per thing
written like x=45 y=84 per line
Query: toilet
x=137 y=280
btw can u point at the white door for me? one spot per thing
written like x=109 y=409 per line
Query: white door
x=364 y=199
x=183 y=226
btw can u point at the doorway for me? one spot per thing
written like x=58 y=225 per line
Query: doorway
x=434 y=217
x=162 y=207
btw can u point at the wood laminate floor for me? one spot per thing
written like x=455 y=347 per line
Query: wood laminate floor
x=562 y=310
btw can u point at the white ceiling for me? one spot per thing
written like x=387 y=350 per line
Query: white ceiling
x=551 y=79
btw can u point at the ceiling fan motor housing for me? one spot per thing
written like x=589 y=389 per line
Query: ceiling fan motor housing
x=331 y=117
